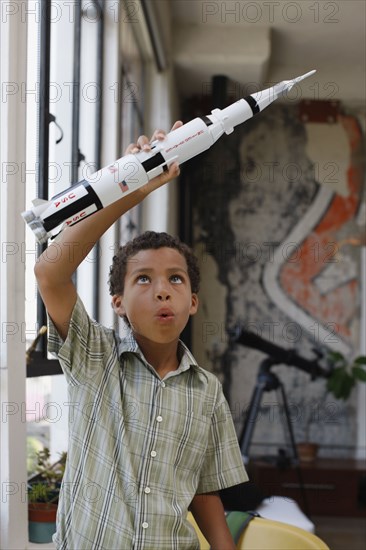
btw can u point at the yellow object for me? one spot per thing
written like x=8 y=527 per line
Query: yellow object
x=265 y=534
x=203 y=542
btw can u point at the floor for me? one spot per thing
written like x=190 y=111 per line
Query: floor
x=341 y=533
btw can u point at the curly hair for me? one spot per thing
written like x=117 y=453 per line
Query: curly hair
x=147 y=241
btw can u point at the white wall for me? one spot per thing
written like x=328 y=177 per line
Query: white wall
x=13 y=510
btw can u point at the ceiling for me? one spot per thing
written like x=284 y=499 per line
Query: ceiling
x=265 y=41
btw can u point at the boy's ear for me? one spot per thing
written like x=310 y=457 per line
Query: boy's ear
x=117 y=304
x=194 y=304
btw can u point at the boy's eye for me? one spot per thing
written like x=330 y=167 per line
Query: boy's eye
x=176 y=279
x=143 y=279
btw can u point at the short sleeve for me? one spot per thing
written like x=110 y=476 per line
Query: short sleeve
x=82 y=355
x=223 y=464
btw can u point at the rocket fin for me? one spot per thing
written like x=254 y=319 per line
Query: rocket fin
x=38 y=202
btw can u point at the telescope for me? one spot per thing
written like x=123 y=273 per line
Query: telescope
x=268 y=381
x=281 y=355
x=47 y=218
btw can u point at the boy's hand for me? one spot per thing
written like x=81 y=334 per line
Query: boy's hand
x=144 y=144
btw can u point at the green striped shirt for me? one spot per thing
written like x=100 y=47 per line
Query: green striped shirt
x=140 y=448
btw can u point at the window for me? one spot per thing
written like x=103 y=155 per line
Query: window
x=132 y=115
x=63 y=146
x=64 y=121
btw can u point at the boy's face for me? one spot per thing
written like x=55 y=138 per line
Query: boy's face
x=157 y=297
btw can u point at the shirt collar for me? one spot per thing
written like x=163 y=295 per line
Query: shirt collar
x=187 y=361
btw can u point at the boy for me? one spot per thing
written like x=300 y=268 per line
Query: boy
x=150 y=434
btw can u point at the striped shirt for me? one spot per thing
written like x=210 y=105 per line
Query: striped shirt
x=140 y=448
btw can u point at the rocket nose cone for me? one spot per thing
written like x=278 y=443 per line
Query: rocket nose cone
x=288 y=84
x=302 y=77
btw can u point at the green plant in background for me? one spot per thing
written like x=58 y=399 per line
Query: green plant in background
x=34 y=445
x=40 y=492
x=44 y=486
x=344 y=375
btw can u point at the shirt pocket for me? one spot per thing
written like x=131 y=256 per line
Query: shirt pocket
x=193 y=440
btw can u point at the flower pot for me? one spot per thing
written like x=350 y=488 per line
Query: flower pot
x=307 y=451
x=41 y=521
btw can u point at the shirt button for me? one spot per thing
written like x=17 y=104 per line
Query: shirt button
x=163 y=384
x=159 y=418
x=147 y=490
x=153 y=453
x=145 y=525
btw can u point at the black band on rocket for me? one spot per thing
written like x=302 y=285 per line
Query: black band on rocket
x=153 y=162
x=206 y=120
x=74 y=208
x=96 y=200
x=252 y=104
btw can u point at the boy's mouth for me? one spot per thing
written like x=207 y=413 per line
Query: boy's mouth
x=165 y=313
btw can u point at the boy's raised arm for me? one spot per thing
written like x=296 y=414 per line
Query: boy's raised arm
x=55 y=267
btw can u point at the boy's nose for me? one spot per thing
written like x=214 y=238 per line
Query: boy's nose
x=162 y=295
x=162 y=291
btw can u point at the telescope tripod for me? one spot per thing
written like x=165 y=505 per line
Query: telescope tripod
x=268 y=381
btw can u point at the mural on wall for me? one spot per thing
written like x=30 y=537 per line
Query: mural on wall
x=316 y=282
x=275 y=206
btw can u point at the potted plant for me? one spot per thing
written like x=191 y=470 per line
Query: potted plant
x=343 y=377
x=307 y=449
x=43 y=494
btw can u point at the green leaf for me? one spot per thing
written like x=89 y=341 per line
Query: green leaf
x=334 y=383
x=359 y=373
x=336 y=360
x=361 y=360
x=340 y=383
x=336 y=357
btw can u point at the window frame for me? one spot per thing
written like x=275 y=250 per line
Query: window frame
x=39 y=364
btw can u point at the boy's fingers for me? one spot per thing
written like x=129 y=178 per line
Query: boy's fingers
x=176 y=125
x=173 y=172
x=141 y=144
x=158 y=134
x=161 y=134
x=144 y=144
x=132 y=148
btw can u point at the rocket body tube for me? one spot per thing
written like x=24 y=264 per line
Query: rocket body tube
x=133 y=171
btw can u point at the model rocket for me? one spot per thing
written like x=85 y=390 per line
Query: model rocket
x=130 y=172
